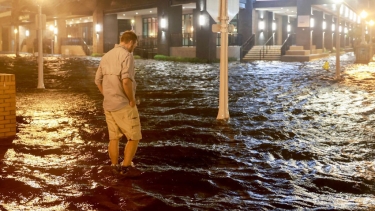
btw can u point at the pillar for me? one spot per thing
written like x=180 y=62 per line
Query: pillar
x=318 y=30
x=245 y=26
x=164 y=32
x=328 y=41
x=303 y=32
x=205 y=38
x=110 y=31
x=61 y=34
x=7 y=106
x=98 y=39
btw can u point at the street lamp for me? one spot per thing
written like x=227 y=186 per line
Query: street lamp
x=337 y=33
x=40 y=47
x=363 y=16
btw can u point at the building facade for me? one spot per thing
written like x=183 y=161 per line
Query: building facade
x=179 y=27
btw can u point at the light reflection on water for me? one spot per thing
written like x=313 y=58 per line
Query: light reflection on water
x=296 y=139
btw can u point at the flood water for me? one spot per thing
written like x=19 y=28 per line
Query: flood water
x=296 y=140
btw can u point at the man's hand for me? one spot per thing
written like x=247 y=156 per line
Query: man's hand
x=132 y=103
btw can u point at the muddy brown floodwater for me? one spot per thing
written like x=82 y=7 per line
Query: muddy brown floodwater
x=296 y=139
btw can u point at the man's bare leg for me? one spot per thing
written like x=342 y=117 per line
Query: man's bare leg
x=113 y=151
x=129 y=152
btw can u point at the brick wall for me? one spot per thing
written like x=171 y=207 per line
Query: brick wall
x=7 y=105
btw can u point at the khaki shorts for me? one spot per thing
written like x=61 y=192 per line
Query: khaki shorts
x=124 y=121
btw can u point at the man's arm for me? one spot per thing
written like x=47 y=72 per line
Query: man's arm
x=100 y=87
x=127 y=84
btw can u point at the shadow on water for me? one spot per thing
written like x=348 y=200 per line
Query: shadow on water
x=296 y=139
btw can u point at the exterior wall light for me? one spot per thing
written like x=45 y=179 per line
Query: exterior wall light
x=201 y=20
x=163 y=23
x=97 y=28
x=261 y=25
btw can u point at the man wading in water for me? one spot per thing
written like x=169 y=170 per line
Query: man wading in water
x=115 y=80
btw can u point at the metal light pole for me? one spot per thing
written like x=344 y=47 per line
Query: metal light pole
x=40 y=49
x=223 y=96
x=337 y=34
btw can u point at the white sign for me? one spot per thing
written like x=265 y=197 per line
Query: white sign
x=213 y=8
x=303 y=21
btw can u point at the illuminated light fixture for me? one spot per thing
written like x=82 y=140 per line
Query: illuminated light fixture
x=261 y=25
x=333 y=27
x=201 y=20
x=324 y=26
x=97 y=28
x=364 y=14
x=289 y=28
x=27 y=33
x=163 y=23
x=15 y=31
x=273 y=26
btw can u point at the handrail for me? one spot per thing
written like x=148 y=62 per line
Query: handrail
x=262 y=50
x=247 y=46
x=287 y=43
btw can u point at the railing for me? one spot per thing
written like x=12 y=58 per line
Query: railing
x=287 y=43
x=265 y=48
x=147 y=42
x=76 y=41
x=233 y=39
x=247 y=46
x=147 y=47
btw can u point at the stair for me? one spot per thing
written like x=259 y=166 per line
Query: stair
x=273 y=53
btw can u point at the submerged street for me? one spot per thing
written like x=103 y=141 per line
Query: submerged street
x=296 y=138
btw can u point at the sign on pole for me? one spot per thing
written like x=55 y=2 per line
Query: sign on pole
x=213 y=8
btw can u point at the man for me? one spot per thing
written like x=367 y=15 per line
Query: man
x=115 y=80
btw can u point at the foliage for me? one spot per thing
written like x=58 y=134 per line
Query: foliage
x=97 y=54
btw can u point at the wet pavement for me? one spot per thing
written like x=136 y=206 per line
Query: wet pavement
x=297 y=139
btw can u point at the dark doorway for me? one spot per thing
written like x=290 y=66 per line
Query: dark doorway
x=124 y=25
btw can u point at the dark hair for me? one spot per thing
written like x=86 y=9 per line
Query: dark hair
x=127 y=36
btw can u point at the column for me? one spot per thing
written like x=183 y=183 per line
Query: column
x=245 y=21
x=98 y=39
x=328 y=41
x=303 y=33
x=110 y=32
x=7 y=106
x=318 y=29
x=205 y=38
x=61 y=34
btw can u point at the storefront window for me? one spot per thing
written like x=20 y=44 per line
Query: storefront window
x=150 y=27
x=187 y=30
